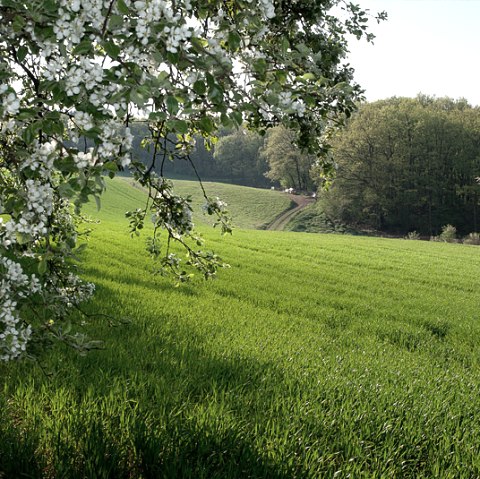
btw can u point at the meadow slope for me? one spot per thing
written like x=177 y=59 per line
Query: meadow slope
x=250 y=208
x=313 y=356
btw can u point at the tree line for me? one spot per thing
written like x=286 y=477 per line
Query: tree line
x=408 y=165
x=402 y=165
x=239 y=156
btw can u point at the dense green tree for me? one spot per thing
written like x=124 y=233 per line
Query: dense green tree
x=287 y=164
x=237 y=157
x=408 y=164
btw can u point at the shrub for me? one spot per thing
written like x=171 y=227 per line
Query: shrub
x=412 y=235
x=472 y=238
x=448 y=234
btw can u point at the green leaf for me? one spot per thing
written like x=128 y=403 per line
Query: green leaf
x=42 y=266
x=85 y=46
x=285 y=45
x=50 y=5
x=122 y=7
x=198 y=44
x=26 y=114
x=66 y=165
x=157 y=116
x=226 y=122
x=22 y=238
x=112 y=50
x=260 y=66
x=234 y=40
x=18 y=23
x=179 y=126
x=52 y=127
x=139 y=95
x=65 y=190
x=281 y=76
x=199 y=87
x=237 y=117
x=172 y=105
x=29 y=133
x=307 y=77
x=110 y=166
x=115 y=22
x=22 y=53
x=206 y=124
x=162 y=76
x=215 y=94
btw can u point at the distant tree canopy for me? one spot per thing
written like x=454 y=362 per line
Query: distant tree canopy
x=237 y=156
x=200 y=159
x=408 y=164
x=240 y=156
x=286 y=163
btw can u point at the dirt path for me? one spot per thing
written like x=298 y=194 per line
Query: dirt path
x=282 y=219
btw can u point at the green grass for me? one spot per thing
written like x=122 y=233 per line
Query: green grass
x=250 y=208
x=312 y=219
x=313 y=356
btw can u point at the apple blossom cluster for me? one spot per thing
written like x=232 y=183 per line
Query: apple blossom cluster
x=267 y=7
x=172 y=212
x=115 y=143
x=73 y=16
x=149 y=13
x=37 y=200
x=72 y=290
x=14 y=286
x=214 y=204
x=41 y=159
x=10 y=103
x=284 y=103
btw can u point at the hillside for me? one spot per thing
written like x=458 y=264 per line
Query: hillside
x=251 y=208
x=313 y=356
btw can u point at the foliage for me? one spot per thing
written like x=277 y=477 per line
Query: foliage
x=237 y=155
x=448 y=234
x=472 y=238
x=88 y=68
x=408 y=164
x=279 y=370
x=200 y=161
x=412 y=235
x=287 y=164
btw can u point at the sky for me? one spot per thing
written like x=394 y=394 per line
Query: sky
x=425 y=46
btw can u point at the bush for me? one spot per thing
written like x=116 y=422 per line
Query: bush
x=448 y=234
x=472 y=238
x=413 y=235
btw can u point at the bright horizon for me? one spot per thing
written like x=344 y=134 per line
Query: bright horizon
x=425 y=46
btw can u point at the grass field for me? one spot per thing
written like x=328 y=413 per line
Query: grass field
x=313 y=356
x=251 y=208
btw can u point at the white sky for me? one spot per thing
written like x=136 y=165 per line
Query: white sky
x=425 y=46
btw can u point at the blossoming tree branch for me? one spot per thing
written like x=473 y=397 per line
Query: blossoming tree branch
x=75 y=73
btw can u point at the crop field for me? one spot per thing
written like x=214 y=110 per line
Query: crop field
x=313 y=356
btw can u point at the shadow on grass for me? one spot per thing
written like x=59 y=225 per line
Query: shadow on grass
x=146 y=407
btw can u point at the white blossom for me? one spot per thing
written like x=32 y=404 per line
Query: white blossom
x=11 y=104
